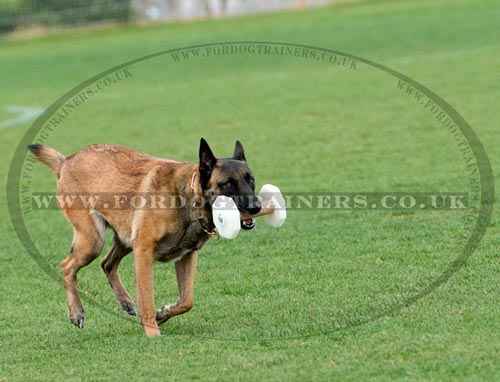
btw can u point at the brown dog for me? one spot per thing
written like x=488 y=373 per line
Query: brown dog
x=155 y=231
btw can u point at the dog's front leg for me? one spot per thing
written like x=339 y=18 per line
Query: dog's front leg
x=184 y=270
x=144 y=261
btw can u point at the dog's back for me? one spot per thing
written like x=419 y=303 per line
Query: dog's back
x=98 y=168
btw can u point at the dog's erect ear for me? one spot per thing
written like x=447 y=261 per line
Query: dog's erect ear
x=239 y=153
x=207 y=162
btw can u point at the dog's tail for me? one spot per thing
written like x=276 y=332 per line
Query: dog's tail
x=48 y=156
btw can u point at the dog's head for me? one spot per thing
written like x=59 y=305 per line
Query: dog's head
x=230 y=177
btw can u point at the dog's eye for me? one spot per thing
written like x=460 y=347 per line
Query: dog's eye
x=251 y=182
x=228 y=184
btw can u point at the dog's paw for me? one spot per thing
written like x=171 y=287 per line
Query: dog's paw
x=150 y=331
x=128 y=307
x=77 y=318
x=163 y=314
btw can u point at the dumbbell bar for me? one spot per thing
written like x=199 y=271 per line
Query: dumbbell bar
x=267 y=209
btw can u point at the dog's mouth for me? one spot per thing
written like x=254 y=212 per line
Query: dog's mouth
x=247 y=224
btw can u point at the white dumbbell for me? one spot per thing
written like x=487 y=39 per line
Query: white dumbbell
x=226 y=216
x=273 y=205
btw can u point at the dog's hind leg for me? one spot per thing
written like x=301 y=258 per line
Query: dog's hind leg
x=184 y=270
x=88 y=240
x=110 y=265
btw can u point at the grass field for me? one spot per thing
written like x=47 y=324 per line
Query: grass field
x=273 y=304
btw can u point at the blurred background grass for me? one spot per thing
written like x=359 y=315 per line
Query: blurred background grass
x=306 y=127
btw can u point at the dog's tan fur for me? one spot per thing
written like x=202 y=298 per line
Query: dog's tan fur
x=168 y=234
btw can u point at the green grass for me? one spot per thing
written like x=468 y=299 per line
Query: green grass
x=268 y=302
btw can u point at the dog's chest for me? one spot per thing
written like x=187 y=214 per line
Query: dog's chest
x=175 y=245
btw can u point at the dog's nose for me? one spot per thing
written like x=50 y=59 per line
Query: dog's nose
x=255 y=207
